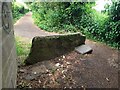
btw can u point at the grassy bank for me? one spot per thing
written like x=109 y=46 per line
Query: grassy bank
x=23 y=48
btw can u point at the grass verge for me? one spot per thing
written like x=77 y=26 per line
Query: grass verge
x=23 y=46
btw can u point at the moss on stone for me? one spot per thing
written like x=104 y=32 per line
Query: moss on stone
x=48 y=47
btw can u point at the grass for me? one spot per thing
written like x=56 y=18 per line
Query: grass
x=23 y=48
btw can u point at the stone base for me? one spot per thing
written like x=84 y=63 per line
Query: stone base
x=48 y=47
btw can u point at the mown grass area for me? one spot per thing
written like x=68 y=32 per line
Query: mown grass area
x=23 y=48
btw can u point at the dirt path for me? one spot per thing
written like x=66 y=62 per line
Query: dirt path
x=73 y=70
x=25 y=27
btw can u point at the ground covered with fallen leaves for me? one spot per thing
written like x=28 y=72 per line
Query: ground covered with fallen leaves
x=73 y=70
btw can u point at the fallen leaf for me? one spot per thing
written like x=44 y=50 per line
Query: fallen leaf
x=107 y=79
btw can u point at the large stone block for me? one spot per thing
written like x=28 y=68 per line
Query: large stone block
x=8 y=55
x=48 y=47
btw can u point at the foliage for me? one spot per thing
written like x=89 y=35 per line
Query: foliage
x=114 y=11
x=78 y=17
x=23 y=48
x=55 y=16
x=18 y=11
x=113 y=25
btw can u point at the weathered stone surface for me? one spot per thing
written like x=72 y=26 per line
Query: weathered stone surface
x=7 y=48
x=83 y=49
x=48 y=47
x=31 y=76
x=39 y=69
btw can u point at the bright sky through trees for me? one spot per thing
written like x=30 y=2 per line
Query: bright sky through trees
x=22 y=3
x=99 y=4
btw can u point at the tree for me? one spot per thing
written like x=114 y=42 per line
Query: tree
x=114 y=11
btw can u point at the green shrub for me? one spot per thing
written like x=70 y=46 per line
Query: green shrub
x=113 y=25
x=23 y=48
x=77 y=17
x=18 y=11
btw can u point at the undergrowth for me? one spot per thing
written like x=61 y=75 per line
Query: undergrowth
x=23 y=48
x=78 y=17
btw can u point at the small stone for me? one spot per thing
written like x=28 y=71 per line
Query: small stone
x=39 y=69
x=82 y=86
x=57 y=69
x=22 y=70
x=30 y=77
x=57 y=65
x=64 y=71
x=43 y=86
x=61 y=65
x=63 y=56
x=67 y=67
x=30 y=87
x=47 y=70
x=50 y=74
x=63 y=76
x=35 y=73
x=68 y=63
x=65 y=87
x=39 y=81
x=107 y=79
